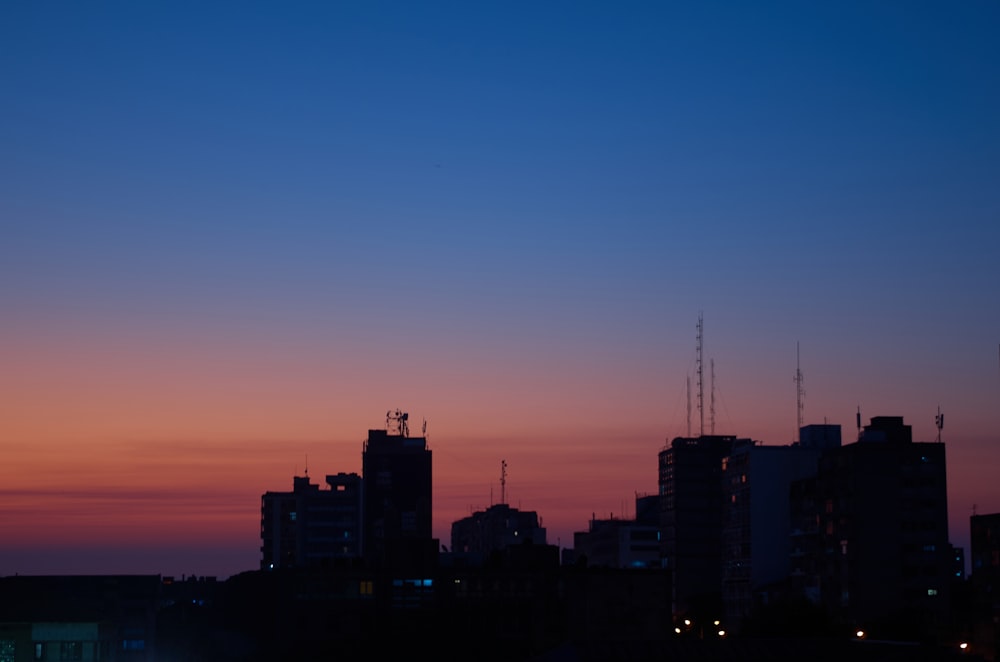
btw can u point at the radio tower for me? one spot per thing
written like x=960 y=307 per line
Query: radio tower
x=798 y=395
x=503 y=481
x=689 y=404
x=701 y=383
x=711 y=400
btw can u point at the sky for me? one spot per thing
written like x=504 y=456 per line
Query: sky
x=234 y=234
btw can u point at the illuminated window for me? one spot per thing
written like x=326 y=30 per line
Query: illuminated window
x=7 y=650
x=931 y=591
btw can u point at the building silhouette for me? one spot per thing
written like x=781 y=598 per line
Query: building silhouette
x=691 y=501
x=756 y=528
x=984 y=580
x=311 y=526
x=495 y=529
x=396 y=503
x=622 y=543
x=878 y=550
x=382 y=517
x=79 y=617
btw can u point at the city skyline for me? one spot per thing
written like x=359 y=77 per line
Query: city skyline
x=233 y=237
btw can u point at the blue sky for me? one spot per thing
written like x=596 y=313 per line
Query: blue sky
x=510 y=194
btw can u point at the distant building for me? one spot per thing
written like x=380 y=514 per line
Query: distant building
x=985 y=544
x=623 y=543
x=79 y=617
x=878 y=550
x=396 y=472
x=690 y=485
x=495 y=529
x=984 y=580
x=756 y=529
x=310 y=526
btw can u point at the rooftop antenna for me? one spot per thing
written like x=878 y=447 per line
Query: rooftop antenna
x=503 y=481
x=396 y=423
x=858 y=420
x=307 y=465
x=939 y=423
x=711 y=409
x=423 y=429
x=799 y=393
x=701 y=385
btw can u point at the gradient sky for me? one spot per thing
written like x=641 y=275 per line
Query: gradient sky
x=235 y=234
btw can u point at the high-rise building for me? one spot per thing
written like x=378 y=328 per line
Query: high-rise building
x=879 y=515
x=756 y=529
x=310 y=526
x=396 y=469
x=691 y=501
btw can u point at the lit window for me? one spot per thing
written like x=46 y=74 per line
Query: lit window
x=291 y=515
x=931 y=591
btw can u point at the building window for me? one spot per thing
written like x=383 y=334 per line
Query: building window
x=7 y=650
x=931 y=592
x=71 y=650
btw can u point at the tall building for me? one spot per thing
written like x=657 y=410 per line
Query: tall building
x=310 y=526
x=691 y=501
x=396 y=472
x=878 y=511
x=756 y=530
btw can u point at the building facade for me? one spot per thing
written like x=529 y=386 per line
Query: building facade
x=756 y=530
x=311 y=526
x=623 y=543
x=691 y=501
x=878 y=516
x=495 y=529
x=396 y=473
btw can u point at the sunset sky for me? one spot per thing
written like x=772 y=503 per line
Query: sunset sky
x=235 y=234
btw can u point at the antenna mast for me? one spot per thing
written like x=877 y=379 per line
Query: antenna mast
x=711 y=408
x=689 y=404
x=799 y=393
x=939 y=422
x=503 y=481
x=701 y=383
